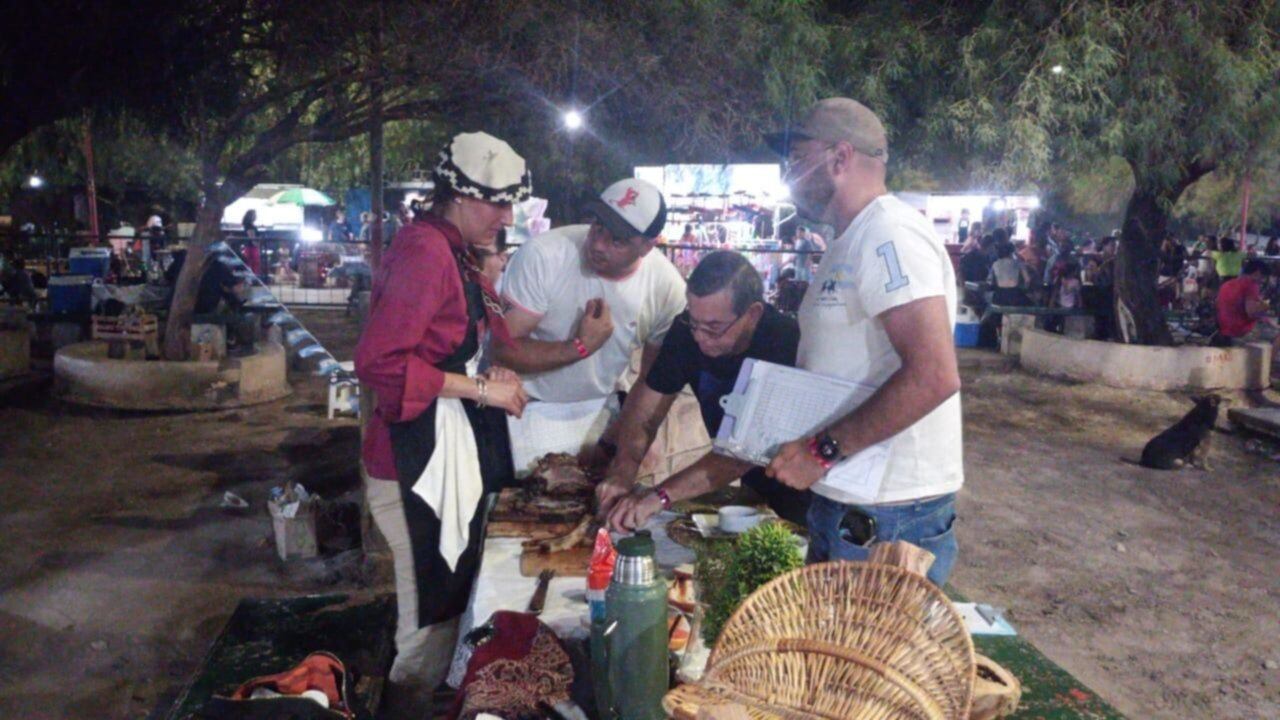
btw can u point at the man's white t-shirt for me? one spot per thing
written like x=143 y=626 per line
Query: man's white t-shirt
x=888 y=256
x=547 y=277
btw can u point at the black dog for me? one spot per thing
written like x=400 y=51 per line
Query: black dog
x=1187 y=442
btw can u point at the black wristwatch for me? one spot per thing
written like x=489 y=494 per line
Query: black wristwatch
x=828 y=448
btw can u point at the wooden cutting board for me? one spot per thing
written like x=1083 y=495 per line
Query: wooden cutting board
x=573 y=562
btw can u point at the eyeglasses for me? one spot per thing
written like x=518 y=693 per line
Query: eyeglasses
x=793 y=161
x=706 y=328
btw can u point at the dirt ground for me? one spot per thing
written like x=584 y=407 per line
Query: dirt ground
x=1159 y=590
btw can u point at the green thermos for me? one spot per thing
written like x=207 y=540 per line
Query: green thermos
x=635 y=633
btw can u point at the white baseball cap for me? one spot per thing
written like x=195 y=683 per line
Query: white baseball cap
x=631 y=207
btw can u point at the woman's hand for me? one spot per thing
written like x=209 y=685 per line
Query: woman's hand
x=505 y=391
x=500 y=373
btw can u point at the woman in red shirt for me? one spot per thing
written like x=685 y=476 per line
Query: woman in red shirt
x=436 y=442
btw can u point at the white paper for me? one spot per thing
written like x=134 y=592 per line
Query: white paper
x=556 y=428
x=979 y=625
x=781 y=404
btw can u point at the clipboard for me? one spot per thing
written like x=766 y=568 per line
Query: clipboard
x=772 y=404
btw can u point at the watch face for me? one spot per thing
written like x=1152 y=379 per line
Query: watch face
x=828 y=448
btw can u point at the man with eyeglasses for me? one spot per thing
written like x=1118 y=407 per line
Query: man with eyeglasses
x=726 y=322
x=880 y=311
x=582 y=299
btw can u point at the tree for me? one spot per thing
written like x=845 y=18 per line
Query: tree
x=1177 y=90
x=278 y=74
x=653 y=79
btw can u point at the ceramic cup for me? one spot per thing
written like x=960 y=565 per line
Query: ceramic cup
x=738 y=518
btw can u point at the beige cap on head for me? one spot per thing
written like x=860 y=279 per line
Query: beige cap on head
x=836 y=120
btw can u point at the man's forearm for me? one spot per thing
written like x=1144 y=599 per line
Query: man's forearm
x=525 y=355
x=632 y=447
x=907 y=396
x=710 y=472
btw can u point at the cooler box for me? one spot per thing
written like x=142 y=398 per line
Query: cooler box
x=70 y=294
x=90 y=261
x=967 y=325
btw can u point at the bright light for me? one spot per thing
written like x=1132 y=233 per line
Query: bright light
x=573 y=119
x=35 y=182
x=999 y=204
x=1056 y=69
x=310 y=234
x=1035 y=203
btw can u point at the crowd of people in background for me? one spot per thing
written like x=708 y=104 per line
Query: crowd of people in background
x=1051 y=269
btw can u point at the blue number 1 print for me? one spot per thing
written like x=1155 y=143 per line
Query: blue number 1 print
x=897 y=279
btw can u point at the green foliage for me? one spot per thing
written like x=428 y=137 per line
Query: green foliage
x=1176 y=89
x=1214 y=203
x=728 y=573
x=128 y=155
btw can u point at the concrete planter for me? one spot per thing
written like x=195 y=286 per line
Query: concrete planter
x=83 y=374
x=1150 y=368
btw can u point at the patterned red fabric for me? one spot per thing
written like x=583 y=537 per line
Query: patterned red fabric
x=521 y=665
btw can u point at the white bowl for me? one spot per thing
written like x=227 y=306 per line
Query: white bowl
x=738 y=518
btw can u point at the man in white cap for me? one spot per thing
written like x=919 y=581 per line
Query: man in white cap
x=583 y=299
x=880 y=311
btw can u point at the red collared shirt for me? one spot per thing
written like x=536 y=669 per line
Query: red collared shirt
x=417 y=318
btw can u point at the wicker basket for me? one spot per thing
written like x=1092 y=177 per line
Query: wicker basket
x=853 y=641
x=996 y=693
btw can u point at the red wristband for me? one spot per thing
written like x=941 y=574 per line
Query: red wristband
x=581 y=348
x=812 y=445
x=664 y=497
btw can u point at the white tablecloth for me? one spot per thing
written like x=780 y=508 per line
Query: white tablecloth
x=500 y=586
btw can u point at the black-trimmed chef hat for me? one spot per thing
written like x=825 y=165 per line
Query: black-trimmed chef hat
x=481 y=166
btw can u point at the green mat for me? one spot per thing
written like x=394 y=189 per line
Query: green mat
x=266 y=636
x=1048 y=691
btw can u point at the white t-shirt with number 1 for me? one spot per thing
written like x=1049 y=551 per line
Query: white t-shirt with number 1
x=888 y=256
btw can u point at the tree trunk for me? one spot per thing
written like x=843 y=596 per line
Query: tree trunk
x=376 y=170
x=376 y=165
x=1139 y=319
x=177 y=331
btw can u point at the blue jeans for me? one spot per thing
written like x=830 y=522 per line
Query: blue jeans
x=926 y=523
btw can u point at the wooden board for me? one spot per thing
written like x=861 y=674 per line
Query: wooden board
x=567 y=563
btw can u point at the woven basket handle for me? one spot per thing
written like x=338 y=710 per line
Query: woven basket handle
x=903 y=554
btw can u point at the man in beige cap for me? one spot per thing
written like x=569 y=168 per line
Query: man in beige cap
x=880 y=311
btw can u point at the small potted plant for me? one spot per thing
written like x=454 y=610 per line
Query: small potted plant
x=726 y=574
